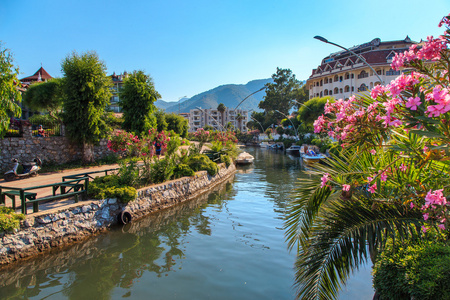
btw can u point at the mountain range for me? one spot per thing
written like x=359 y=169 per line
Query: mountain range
x=229 y=94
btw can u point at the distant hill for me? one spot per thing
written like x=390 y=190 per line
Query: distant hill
x=229 y=94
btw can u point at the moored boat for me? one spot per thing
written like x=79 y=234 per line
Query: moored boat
x=310 y=157
x=244 y=159
x=294 y=150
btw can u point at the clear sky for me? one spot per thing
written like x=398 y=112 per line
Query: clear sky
x=189 y=47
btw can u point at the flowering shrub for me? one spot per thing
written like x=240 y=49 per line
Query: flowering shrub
x=403 y=128
x=225 y=137
x=122 y=141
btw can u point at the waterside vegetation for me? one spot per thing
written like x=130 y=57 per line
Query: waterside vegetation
x=386 y=189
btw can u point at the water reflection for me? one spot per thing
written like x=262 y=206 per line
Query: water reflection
x=90 y=270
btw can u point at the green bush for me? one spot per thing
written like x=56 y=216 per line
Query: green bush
x=161 y=170
x=129 y=172
x=109 y=187
x=199 y=162
x=9 y=220
x=416 y=270
x=182 y=170
x=225 y=159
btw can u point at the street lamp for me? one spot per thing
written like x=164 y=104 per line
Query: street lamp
x=322 y=39
x=296 y=135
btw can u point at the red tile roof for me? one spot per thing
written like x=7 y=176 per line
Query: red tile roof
x=41 y=74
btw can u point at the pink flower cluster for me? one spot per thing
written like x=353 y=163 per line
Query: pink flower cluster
x=431 y=50
x=436 y=208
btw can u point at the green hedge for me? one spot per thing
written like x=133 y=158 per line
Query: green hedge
x=109 y=187
x=414 y=271
x=9 y=220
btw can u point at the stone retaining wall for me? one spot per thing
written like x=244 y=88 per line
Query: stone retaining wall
x=48 y=229
x=55 y=149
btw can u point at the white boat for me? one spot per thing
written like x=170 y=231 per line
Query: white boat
x=310 y=157
x=294 y=150
x=244 y=159
x=264 y=144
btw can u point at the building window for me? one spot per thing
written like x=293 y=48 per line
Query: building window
x=321 y=83
x=347 y=89
x=352 y=76
x=392 y=73
x=336 y=90
x=353 y=88
x=340 y=78
x=363 y=74
x=321 y=95
x=347 y=76
x=325 y=92
x=336 y=78
x=326 y=80
x=362 y=88
x=340 y=90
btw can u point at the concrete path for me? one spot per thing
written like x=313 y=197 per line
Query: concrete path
x=49 y=178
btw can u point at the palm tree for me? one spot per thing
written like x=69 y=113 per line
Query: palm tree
x=222 y=108
x=336 y=231
x=239 y=118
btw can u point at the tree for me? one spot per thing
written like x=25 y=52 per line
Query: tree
x=136 y=99
x=161 y=123
x=9 y=93
x=279 y=95
x=311 y=110
x=222 y=108
x=178 y=124
x=87 y=93
x=45 y=96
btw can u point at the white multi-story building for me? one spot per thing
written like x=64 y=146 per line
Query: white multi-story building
x=199 y=118
x=342 y=74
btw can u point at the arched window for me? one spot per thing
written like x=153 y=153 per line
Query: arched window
x=326 y=80
x=321 y=95
x=321 y=83
x=352 y=76
x=331 y=92
x=362 y=88
x=363 y=74
x=347 y=89
x=336 y=78
x=325 y=92
x=347 y=75
x=336 y=90
x=341 y=78
x=340 y=90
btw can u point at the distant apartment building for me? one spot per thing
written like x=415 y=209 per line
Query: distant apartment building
x=117 y=85
x=199 y=118
x=342 y=74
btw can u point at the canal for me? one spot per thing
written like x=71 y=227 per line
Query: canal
x=226 y=244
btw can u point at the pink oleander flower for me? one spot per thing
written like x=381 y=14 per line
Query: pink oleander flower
x=325 y=179
x=441 y=226
x=411 y=205
x=373 y=151
x=425 y=149
x=373 y=188
x=425 y=216
x=413 y=103
x=424 y=229
x=383 y=176
x=403 y=167
x=346 y=187
x=435 y=198
x=378 y=90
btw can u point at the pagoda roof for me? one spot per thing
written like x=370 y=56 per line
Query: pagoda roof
x=40 y=75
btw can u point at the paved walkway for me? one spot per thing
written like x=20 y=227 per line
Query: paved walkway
x=48 y=178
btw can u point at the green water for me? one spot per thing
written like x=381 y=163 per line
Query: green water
x=226 y=244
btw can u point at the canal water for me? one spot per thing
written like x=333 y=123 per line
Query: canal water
x=226 y=244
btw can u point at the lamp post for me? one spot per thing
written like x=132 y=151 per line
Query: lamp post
x=296 y=135
x=322 y=39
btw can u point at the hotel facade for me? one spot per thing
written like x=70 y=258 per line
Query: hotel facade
x=342 y=74
x=199 y=118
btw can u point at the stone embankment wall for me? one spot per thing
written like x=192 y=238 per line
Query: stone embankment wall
x=48 y=229
x=55 y=149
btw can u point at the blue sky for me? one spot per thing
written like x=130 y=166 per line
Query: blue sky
x=189 y=47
